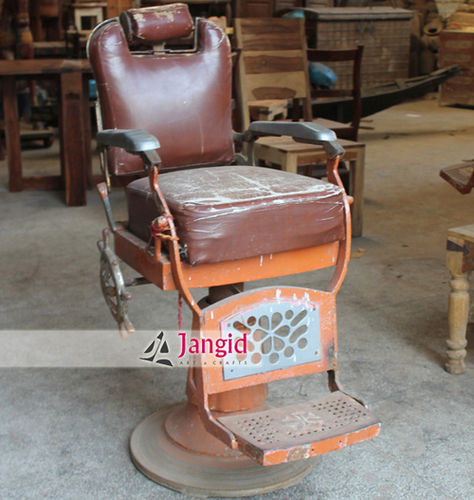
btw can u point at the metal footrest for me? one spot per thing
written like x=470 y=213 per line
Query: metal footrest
x=302 y=430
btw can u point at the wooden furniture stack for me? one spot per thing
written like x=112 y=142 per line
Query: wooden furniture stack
x=457 y=47
x=383 y=31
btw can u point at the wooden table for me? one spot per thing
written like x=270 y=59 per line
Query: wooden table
x=74 y=124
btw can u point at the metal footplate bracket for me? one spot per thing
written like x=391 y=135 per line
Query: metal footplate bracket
x=289 y=332
x=302 y=430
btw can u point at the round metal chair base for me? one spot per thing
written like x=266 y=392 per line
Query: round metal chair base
x=176 y=458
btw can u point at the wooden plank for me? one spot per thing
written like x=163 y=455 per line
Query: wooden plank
x=273 y=93
x=73 y=140
x=277 y=86
x=464 y=232
x=460 y=176
x=12 y=134
x=253 y=8
x=270 y=63
x=48 y=182
x=33 y=67
x=257 y=34
x=268 y=109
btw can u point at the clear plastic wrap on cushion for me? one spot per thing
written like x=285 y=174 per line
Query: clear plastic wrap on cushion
x=233 y=212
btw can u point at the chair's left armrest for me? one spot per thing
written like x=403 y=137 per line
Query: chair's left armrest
x=133 y=141
x=306 y=132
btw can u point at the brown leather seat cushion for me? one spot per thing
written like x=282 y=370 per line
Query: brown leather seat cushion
x=232 y=212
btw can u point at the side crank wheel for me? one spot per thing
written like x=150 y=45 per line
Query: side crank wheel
x=113 y=287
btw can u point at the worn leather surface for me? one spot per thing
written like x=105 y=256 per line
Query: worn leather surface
x=233 y=212
x=153 y=25
x=182 y=99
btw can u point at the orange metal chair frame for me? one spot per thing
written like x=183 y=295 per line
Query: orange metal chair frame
x=210 y=431
x=168 y=272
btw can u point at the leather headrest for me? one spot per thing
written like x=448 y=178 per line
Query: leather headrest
x=153 y=25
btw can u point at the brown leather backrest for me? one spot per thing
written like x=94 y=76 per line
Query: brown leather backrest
x=184 y=99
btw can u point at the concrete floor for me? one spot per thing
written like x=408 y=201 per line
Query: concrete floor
x=71 y=390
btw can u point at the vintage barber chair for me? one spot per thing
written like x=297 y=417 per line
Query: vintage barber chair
x=218 y=226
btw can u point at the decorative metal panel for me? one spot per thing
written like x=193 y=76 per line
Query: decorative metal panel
x=279 y=335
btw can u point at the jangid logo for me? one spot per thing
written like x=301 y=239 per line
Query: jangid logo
x=219 y=347
x=175 y=349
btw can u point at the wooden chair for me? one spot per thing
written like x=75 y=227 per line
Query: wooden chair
x=201 y=218
x=272 y=65
x=283 y=41
x=354 y=56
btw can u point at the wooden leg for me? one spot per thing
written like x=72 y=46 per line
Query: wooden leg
x=12 y=134
x=357 y=168
x=458 y=317
x=72 y=138
x=458 y=313
x=290 y=163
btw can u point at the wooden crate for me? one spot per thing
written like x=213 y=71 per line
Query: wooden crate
x=383 y=31
x=457 y=47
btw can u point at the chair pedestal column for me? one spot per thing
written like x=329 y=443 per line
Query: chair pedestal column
x=240 y=399
x=173 y=448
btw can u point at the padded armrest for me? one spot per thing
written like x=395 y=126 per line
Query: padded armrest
x=306 y=132
x=132 y=141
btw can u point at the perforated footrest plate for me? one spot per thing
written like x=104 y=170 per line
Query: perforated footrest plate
x=302 y=430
